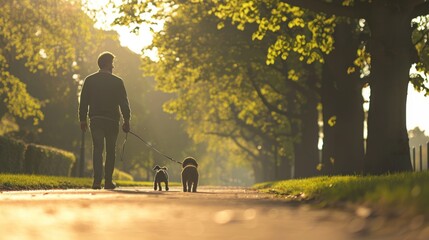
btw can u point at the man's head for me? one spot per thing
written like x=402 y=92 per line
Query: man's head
x=105 y=61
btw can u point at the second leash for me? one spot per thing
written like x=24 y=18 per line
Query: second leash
x=149 y=145
x=123 y=147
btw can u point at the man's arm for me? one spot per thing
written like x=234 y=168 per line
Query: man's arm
x=125 y=108
x=83 y=107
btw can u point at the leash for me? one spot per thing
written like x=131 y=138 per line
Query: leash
x=147 y=144
x=123 y=147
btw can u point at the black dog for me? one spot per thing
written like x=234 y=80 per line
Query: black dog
x=161 y=175
x=189 y=174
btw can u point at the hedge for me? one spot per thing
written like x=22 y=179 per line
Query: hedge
x=19 y=157
x=44 y=160
x=120 y=175
x=12 y=154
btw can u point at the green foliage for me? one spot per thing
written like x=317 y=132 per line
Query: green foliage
x=18 y=157
x=44 y=160
x=120 y=175
x=11 y=155
x=41 y=36
x=18 y=101
x=419 y=78
x=306 y=34
x=7 y=124
x=408 y=191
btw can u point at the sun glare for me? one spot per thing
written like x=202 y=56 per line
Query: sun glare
x=417 y=115
x=136 y=42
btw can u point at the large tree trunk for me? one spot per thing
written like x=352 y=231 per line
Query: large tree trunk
x=343 y=147
x=350 y=147
x=306 y=151
x=387 y=145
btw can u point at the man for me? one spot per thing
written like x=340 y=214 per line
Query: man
x=104 y=94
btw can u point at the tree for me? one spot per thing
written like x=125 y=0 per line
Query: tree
x=419 y=147
x=39 y=36
x=418 y=137
x=342 y=101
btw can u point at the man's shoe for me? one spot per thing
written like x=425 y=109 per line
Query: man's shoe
x=109 y=185
x=96 y=186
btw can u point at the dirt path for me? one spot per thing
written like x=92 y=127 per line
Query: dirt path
x=212 y=213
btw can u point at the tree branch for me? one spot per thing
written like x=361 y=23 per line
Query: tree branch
x=244 y=148
x=234 y=139
x=264 y=100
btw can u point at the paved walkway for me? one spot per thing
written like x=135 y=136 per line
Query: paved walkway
x=212 y=213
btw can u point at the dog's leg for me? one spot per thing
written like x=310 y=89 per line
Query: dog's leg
x=183 y=184
x=189 y=186
x=194 y=187
x=154 y=185
x=159 y=185
x=166 y=186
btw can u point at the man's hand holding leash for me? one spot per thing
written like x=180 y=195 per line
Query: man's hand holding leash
x=126 y=126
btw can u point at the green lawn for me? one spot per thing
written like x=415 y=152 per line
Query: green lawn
x=403 y=192
x=32 y=182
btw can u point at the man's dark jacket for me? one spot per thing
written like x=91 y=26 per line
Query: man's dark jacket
x=104 y=93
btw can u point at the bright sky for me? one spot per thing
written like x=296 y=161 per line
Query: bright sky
x=417 y=103
x=135 y=42
x=417 y=110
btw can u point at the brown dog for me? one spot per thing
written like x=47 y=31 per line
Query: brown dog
x=161 y=175
x=189 y=175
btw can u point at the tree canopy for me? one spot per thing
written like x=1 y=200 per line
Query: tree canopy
x=305 y=30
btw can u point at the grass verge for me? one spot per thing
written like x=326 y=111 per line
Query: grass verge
x=407 y=192
x=10 y=182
